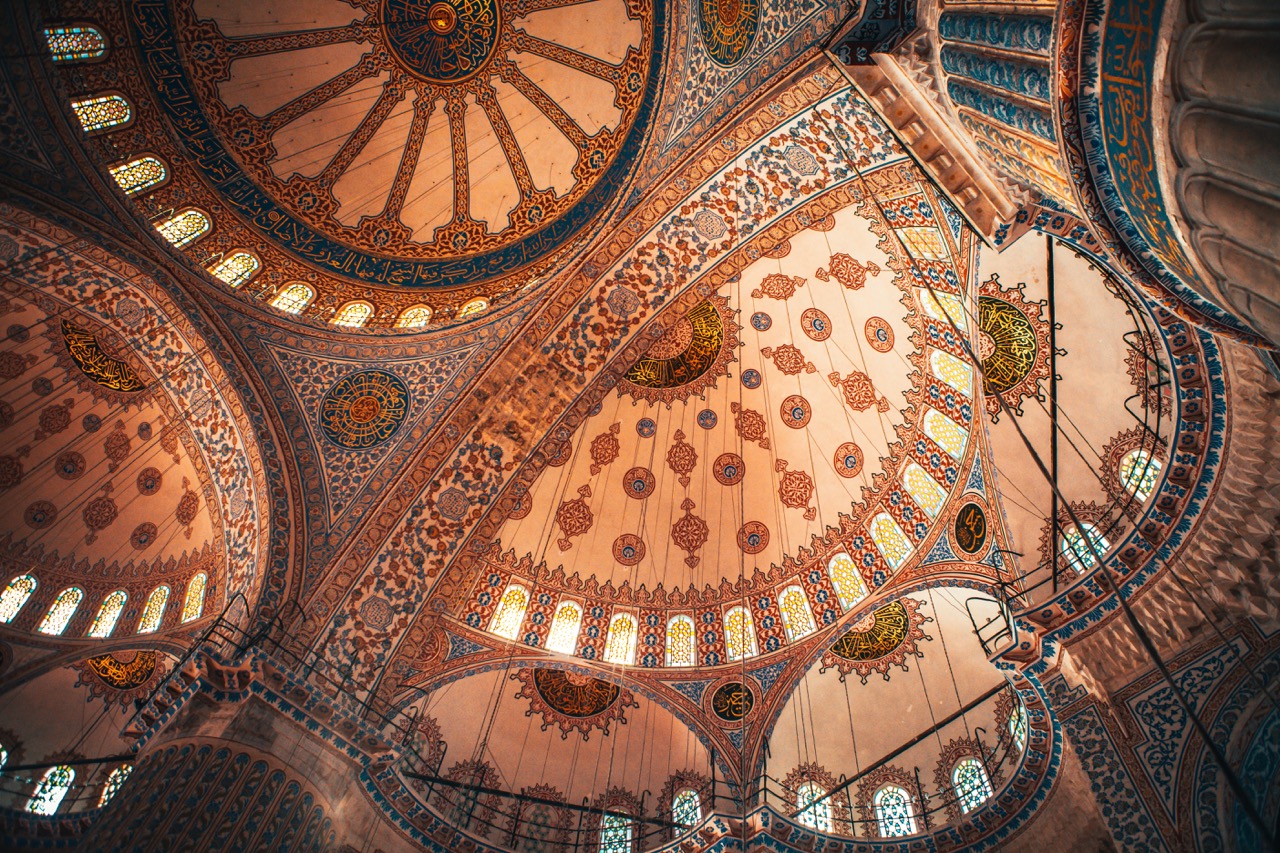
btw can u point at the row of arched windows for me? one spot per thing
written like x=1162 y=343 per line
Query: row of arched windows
x=55 y=621
x=56 y=782
x=681 y=646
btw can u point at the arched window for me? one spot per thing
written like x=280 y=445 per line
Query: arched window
x=890 y=539
x=615 y=833
x=894 y=813
x=193 y=604
x=75 y=44
x=620 y=647
x=293 y=298
x=563 y=636
x=4 y=756
x=797 y=618
x=185 y=227
x=943 y=307
x=739 y=634
x=1018 y=726
x=972 y=787
x=686 y=810
x=924 y=489
x=52 y=788
x=353 y=315
x=108 y=614
x=100 y=112
x=946 y=432
x=153 y=612
x=509 y=616
x=1076 y=550
x=236 y=268
x=114 y=781
x=61 y=611
x=680 y=645
x=473 y=308
x=139 y=174
x=538 y=827
x=414 y=317
x=1138 y=473
x=951 y=370
x=815 y=815
x=845 y=577
x=15 y=596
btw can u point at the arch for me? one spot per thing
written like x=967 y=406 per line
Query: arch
x=15 y=596
x=353 y=314
x=185 y=227
x=509 y=616
x=293 y=298
x=193 y=604
x=889 y=538
x=52 y=788
x=680 y=643
x=1139 y=471
x=102 y=112
x=813 y=814
x=797 y=618
x=739 y=634
x=620 y=647
x=113 y=783
x=951 y=370
x=61 y=611
x=414 y=317
x=1076 y=550
x=850 y=586
x=473 y=308
x=970 y=782
x=615 y=833
x=686 y=810
x=236 y=268
x=153 y=612
x=140 y=173
x=924 y=489
x=108 y=615
x=75 y=43
x=565 y=625
x=895 y=812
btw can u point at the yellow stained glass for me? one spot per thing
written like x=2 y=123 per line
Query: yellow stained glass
x=15 y=596
x=414 y=317
x=293 y=298
x=193 y=604
x=1138 y=473
x=952 y=371
x=353 y=314
x=108 y=614
x=923 y=242
x=509 y=616
x=473 y=308
x=61 y=611
x=620 y=647
x=739 y=634
x=52 y=788
x=680 y=645
x=139 y=174
x=75 y=44
x=890 y=539
x=946 y=432
x=186 y=227
x=845 y=577
x=924 y=489
x=797 y=619
x=563 y=637
x=102 y=111
x=114 y=781
x=236 y=268
x=935 y=308
x=153 y=612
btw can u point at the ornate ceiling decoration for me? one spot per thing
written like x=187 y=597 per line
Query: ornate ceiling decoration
x=121 y=677
x=572 y=700
x=1013 y=343
x=879 y=640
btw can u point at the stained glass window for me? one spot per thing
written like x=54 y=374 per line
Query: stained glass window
x=680 y=646
x=193 y=604
x=4 y=756
x=353 y=314
x=236 y=268
x=563 y=637
x=949 y=435
x=969 y=778
x=473 y=308
x=944 y=305
x=797 y=618
x=114 y=781
x=108 y=614
x=52 y=788
x=293 y=298
x=136 y=175
x=75 y=44
x=816 y=815
x=537 y=828
x=894 y=813
x=61 y=611
x=1018 y=726
x=620 y=647
x=1076 y=549
x=102 y=111
x=615 y=834
x=1138 y=472
x=15 y=596
x=686 y=809
x=184 y=228
x=890 y=539
x=412 y=318
x=924 y=489
x=845 y=577
x=739 y=634
x=153 y=613
x=952 y=370
x=510 y=613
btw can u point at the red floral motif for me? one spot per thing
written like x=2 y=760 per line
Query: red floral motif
x=628 y=549
x=750 y=425
x=604 y=448
x=682 y=458
x=859 y=392
x=729 y=469
x=816 y=324
x=848 y=459
x=753 y=537
x=117 y=446
x=574 y=517
x=99 y=514
x=778 y=286
x=879 y=334
x=795 y=489
x=188 y=506
x=689 y=533
x=778 y=250
x=788 y=359
x=638 y=483
x=795 y=411
x=558 y=452
x=847 y=271
x=10 y=472
x=54 y=419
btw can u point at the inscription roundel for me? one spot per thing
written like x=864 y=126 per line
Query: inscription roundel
x=729 y=469
x=1006 y=344
x=816 y=324
x=971 y=528
x=796 y=411
x=753 y=537
x=628 y=549
x=364 y=409
x=574 y=695
x=888 y=629
x=732 y=701
x=848 y=459
x=442 y=41
x=638 y=483
x=728 y=28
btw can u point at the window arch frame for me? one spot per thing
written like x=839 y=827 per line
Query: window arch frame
x=352 y=304
x=823 y=821
x=187 y=241
x=421 y=306
x=241 y=280
x=1075 y=552
x=282 y=302
x=963 y=792
x=611 y=845
x=115 y=780
x=87 y=99
x=683 y=619
x=877 y=804
x=790 y=591
x=677 y=810
x=44 y=800
x=75 y=58
x=610 y=655
x=163 y=591
x=141 y=188
x=21 y=597
x=203 y=577
x=846 y=597
x=1151 y=468
x=751 y=648
x=103 y=634
x=504 y=608
x=51 y=622
x=560 y=648
x=473 y=308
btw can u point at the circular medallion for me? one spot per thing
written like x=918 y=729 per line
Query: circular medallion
x=143 y=535
x=971 y=528
x=558 y=452
x=442 y=41
x=638 y=483
x=149 y=480
x=728 y=28
x=796 y=411
x=645 y=428
x=751 y=378
x=69 y=465
x=628 y=549
x=707 y=419
x=729 y=469
x=522 y=508
x=816 y=324
x=364 y=409
x=848 y=459
x=1006 y=344
x=879 y=334
x=753 y=537
x=40 y=514
x=761 y=321
x=732 y=701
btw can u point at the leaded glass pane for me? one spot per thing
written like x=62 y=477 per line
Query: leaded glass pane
x=61 y=611
x=75 y=44
x=187 y=226
x=1138 y=472
x=153 y=612
x=1076 y=549
x=797 y=618
x=237 y=268
x=108 y=614
x=114 y=781
x=943 y=306
x=193 y=604
x=563 y=637
x=15 y=596
x=52 y=788
x=137 y=175
x=615 y=834
x=510 y=613
x=538 y=829
x=686 y=810
x=353 y=314
x=893 y=812
x=1018 y=726
x=620 y=647
x=951 y=370
x=4 y=756
x=845 y=577
x=102 y=111
x=946 y=432
x=680 y=646
x=412 y=318
x=890 y=539
x=739 y=634
x=472 y=308
x=924 y=489
x=969 y=778
x=815 y=815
